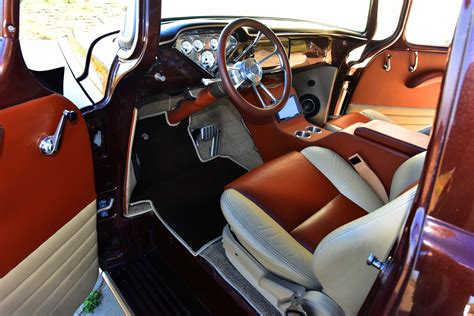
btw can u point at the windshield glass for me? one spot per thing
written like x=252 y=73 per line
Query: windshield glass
x=348 y=14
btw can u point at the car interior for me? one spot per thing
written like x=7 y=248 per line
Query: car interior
x=280 y=157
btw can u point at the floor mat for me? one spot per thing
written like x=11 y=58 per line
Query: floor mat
x=215 y=256
x=185 y=192
x=151 y=288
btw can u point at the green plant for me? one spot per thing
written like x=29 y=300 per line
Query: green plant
x=92 y=301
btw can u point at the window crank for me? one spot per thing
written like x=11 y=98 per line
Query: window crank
x=49 y=145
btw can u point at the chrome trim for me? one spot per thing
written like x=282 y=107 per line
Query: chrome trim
x=49 y=145
x=373 y=261
x=303 y=134
x=116 y=293
x=414 y=65
x=388 y=64
x=314 y=129
x=107 y=207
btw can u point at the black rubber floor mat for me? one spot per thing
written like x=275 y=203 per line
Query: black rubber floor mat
x=151 y=288
x=185 y=191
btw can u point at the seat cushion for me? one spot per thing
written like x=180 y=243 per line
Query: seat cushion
x=283 y=209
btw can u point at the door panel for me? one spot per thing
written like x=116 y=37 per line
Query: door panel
x=400 y=94
x=50 y=280
x=47 y=205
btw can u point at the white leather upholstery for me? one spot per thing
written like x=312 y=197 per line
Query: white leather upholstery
x=317 y=303
x=411 y=118
x=340 y=259
x=375 y=115
x=343 y=177
x=58 y=275
x=267 y=241
x=407 y=174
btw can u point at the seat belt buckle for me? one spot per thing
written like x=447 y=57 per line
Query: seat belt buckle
x=370 y=177
x=355 y=160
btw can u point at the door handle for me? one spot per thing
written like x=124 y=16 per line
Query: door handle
x=49 y=145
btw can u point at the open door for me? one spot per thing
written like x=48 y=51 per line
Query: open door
x=48 y=243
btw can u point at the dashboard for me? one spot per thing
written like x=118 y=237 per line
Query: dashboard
x=187 y=50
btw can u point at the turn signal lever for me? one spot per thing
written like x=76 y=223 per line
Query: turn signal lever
x=49 y=145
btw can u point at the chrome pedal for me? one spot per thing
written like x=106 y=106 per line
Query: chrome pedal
x=208 y=132
x=216 y=143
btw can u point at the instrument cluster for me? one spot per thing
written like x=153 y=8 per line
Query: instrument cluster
x=201 y=47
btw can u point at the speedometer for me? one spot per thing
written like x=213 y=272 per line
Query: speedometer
x=186 y=47
x=207 y=59
x=213 y=44
x=198 y=45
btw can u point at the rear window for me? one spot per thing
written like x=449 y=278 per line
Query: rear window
x=432 y=22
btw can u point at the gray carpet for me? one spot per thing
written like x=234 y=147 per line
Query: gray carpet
x=215 y=255
x=236 y=142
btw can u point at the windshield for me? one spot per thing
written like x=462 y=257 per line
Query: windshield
x=348 y=14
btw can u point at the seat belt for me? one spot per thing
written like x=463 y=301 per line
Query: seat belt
x=369 y=176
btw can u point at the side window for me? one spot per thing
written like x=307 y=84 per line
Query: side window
x=432 y=22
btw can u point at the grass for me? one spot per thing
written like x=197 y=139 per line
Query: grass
x=92 y=301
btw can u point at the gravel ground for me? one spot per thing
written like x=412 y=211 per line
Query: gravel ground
x=51 y=19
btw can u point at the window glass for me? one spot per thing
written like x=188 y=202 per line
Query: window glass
x=349 y=14
x=58 y=33
x=388 y=16
x=52 y=19
x=432 y=22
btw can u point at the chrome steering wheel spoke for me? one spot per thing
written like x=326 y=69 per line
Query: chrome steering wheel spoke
x=268 y=92
x=250 y=47
x=259 y=96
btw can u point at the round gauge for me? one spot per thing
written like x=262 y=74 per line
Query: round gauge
x=213 y=44
x=198 y=45
x=207 y=59
x=186 y=47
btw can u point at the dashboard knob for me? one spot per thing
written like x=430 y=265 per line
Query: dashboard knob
x=159 y=77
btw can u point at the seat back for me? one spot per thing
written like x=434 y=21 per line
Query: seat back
x=339 y=261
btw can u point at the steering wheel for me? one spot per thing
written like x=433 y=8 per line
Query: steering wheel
x=245 y=71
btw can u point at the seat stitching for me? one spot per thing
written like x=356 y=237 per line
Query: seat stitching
x=275 y=251
x=364 y=221
x=255 y=234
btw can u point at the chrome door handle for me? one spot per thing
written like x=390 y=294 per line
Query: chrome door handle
x=49 y=145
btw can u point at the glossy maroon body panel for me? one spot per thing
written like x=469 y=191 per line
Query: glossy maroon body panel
x=432 y=270
x=17 y=85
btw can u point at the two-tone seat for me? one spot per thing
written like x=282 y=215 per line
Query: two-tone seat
x=309 y=218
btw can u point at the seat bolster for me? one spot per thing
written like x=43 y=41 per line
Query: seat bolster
x=267 y=241
x=407 y=174
x=341 y=174
x=340 y=258
x=376 y=115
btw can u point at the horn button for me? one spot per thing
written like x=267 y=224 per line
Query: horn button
x=251 y=70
